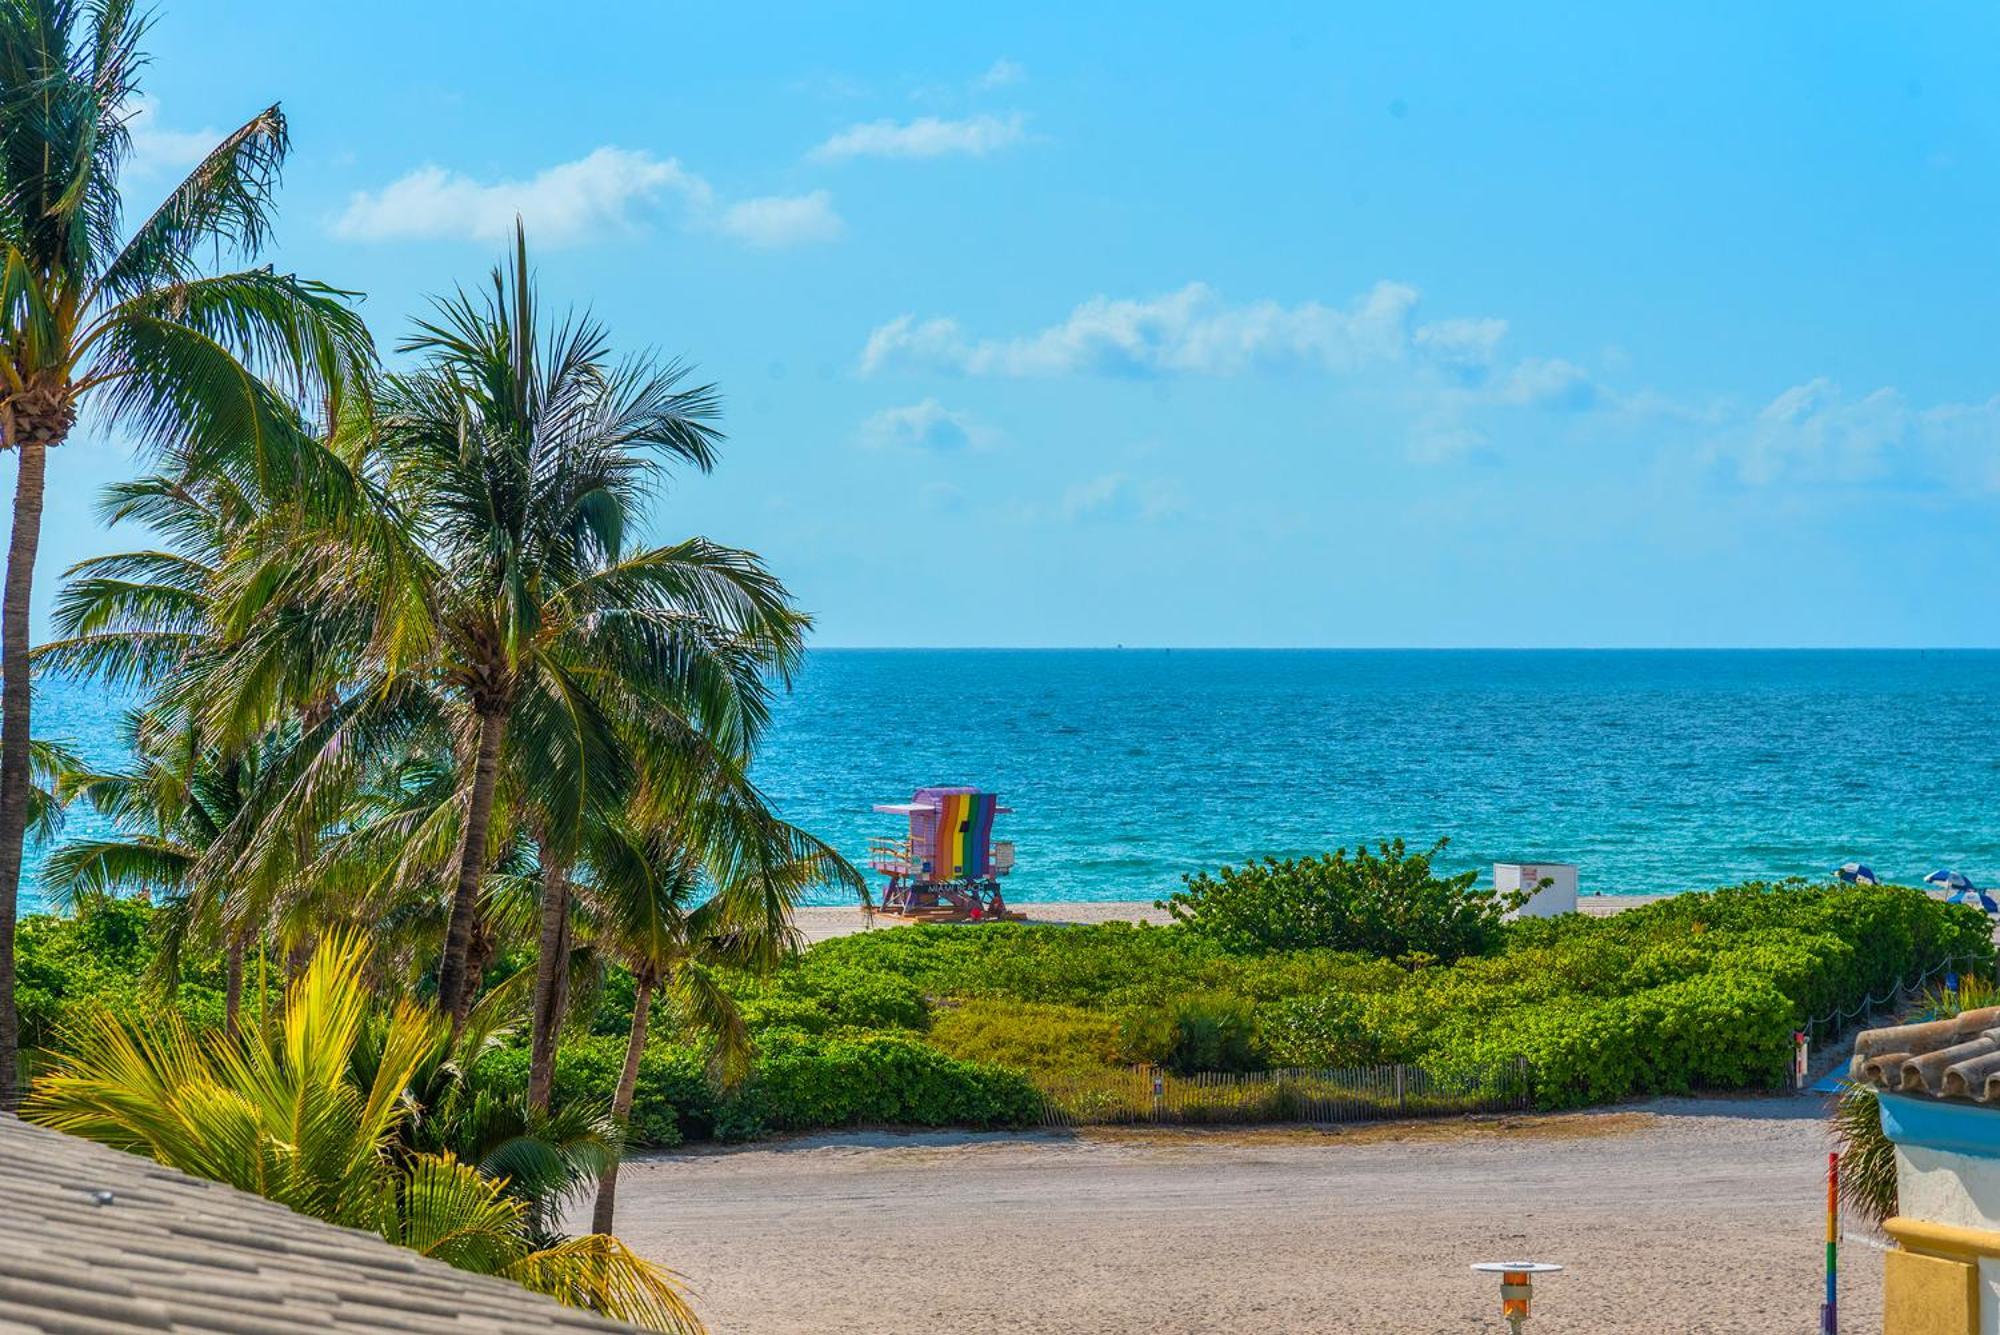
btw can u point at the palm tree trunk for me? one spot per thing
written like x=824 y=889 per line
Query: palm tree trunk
x=551 y=981
x=232 y=996
x=452 y=982
x=296 y=958
x=621 y=1101
x=15 y=724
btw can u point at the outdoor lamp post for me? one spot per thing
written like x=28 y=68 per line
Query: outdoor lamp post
x=1516 y=1281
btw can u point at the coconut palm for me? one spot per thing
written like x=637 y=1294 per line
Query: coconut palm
x=54 y=769
x=129 y=324
x=224 y=706
x=673 y=898
x=692 y=785
x=517 y=456
x=314 y=1114
x=168 y=806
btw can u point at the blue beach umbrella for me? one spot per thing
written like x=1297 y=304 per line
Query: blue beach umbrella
x=1856 y=873
x=1978 y=899
x=1947 y=879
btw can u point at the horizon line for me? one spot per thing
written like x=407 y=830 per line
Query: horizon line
x=1416 y=648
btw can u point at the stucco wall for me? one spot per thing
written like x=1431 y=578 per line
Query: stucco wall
x=1947 y=1187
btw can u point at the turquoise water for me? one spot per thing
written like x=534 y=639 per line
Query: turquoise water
x=1654 y=771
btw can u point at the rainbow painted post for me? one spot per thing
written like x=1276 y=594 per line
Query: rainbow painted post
x=1829 y=1312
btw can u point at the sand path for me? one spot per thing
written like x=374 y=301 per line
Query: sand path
x=819 y=924
x=1675 y=1215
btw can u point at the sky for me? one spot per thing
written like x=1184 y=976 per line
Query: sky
x=1634 y=325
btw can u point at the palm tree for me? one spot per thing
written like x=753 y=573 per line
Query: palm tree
x=315 y=1114
x=223 y=706
x=517 y=457
x=168 y=807
x=675 y=898
x=54 y=770
x=129 y=324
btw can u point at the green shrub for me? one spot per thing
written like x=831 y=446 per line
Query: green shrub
x=1721 y=1030
x=1386 y=903
x=804 y=1081
x=824 y=995
x=1200 y=1033
x=674 y=1100
x=960 y=1025
x=101 y=956
x=1106 y=966
x=1332 y=1030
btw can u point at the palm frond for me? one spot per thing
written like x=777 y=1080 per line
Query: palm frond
x=224 y=203
x=304 y=335
x=601 y=1273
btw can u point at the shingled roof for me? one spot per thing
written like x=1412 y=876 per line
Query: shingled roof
x=99 y=1241
x=1957 y=1058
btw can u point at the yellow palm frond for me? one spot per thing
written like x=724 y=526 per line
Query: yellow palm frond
x=599 y=1272
x=457 y=1214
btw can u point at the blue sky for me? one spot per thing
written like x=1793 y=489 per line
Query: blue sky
x=1415 y=325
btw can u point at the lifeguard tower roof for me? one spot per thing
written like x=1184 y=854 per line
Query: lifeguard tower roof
x=926 y=800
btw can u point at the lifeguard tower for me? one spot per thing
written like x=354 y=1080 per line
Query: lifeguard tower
x=948 y=866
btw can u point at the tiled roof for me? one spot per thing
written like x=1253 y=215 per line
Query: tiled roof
x=95 y=1240
x=1957 y=1058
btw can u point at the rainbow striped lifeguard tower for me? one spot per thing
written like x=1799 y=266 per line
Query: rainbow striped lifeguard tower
x=949 y=865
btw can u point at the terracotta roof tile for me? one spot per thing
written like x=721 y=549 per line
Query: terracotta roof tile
x=1957 y=1058
x=169 y=1252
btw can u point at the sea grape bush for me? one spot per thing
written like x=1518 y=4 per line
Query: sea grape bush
x=945 y=1025
x=806 y=1081
x=106 y=954
x=1696 y=992
x=798 y=1081
x=1387 y=903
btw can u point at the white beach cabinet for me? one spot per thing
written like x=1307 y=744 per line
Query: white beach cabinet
x=1559 y=897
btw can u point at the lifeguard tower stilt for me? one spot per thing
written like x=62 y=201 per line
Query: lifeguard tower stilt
x=948 y=867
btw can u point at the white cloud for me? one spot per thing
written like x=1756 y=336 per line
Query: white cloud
x=782 y=220
x=1546 y=382
x=609 y=190
x=1449 y=377
x=1002 y=73
x=1465 y=345
x=928 y=425
x=606 y=192
x=1815 y=434
x=159 y=150
x=925 y=137
x=1189 y=332
x=1119 y=496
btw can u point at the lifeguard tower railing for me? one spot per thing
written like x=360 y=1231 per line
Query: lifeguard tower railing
x=899 y=857
x=912 y=858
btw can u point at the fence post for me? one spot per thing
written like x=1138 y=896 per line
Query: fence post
x=1402 y=1100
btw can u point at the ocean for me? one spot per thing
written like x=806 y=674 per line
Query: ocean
x=1653 y=771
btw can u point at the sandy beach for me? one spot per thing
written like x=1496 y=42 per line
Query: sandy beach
x=821 y=924
x=1675 y=1215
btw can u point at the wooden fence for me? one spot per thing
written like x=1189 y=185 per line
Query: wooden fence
x=1361 y=1094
